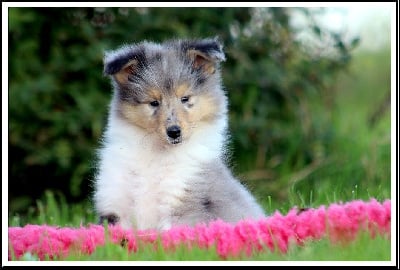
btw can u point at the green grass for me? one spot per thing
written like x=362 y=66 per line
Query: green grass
x=357 y=164
x=357 y=167
x=363 y=248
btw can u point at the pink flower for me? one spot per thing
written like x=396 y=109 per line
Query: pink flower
x=339 y=222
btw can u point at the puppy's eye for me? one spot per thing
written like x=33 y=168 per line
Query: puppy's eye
x=185 y=99
x=154 y=103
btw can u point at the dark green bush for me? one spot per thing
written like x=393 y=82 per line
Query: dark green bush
x=58 y=96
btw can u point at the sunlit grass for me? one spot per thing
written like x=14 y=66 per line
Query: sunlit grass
x=357 y=163
x=358 y=167
x=364 y=248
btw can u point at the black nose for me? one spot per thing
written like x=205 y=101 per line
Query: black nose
x=174 y=132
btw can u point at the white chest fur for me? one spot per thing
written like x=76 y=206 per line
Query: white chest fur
x=142 y=183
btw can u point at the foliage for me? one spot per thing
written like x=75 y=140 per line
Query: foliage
x=58 y=97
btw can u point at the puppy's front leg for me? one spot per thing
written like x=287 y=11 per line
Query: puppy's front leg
x=111 y=219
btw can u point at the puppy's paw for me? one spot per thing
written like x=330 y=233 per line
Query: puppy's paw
x=111 y=219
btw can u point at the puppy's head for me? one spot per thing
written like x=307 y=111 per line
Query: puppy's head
x=168 y=89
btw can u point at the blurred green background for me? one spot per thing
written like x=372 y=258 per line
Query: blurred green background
x=309 y=120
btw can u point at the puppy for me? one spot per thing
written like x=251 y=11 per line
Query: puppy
x=163 y=156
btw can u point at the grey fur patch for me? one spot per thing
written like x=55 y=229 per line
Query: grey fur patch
x=215 y=193
x=111 y=219
x=161 y=64
x=168 y=84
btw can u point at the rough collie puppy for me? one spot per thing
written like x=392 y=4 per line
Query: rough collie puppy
x=163 y=156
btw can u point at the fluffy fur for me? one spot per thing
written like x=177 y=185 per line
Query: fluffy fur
x=163 y=159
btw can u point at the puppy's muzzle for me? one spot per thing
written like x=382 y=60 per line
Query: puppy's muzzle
x=174 y=134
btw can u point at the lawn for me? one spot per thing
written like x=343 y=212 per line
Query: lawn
x=359 y=167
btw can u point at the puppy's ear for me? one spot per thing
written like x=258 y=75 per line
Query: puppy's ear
x=205 y=54
x=124 y=62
